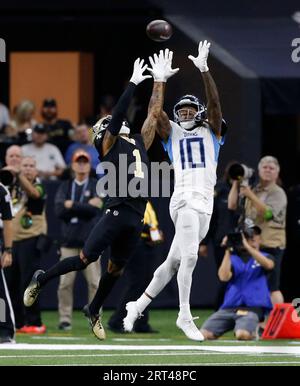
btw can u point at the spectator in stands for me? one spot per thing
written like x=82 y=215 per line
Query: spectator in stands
x=78 y=206
x=266 y=205
x=60 y=130
x=82 y=141
x=49 y=160
x=13 y=156
x=23 y=121
x=13 y=159
x=138 y=273
x=107 y=103
x=4 y=116
x=29 y=226
x=247 y=298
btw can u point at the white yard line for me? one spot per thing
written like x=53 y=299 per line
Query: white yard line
x=100 y=347
x=139 y=340
x=187 y=364
x=71 y=338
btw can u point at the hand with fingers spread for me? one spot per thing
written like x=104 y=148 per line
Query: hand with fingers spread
x=161 y=69
x=138 y=70
x=201 y=60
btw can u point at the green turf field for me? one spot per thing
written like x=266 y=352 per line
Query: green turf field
x=168 y=347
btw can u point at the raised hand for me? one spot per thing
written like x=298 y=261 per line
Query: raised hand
x=161 y=66
x=201 y=60
x=138 y=70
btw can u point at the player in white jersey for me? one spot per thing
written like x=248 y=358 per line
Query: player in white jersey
x=192 y=141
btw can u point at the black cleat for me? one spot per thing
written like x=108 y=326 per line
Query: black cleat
x=32 y=291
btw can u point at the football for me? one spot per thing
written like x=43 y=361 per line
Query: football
x=159 y=30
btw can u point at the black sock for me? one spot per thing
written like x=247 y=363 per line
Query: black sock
x=106 y=284
x=66 y=265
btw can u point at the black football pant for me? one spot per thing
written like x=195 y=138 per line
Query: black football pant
x=7 y=320
x=26 y=260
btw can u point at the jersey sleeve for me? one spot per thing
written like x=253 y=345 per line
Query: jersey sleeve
x=5 y=204
x=98 y=142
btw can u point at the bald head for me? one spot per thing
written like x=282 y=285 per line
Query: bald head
x=13 y=156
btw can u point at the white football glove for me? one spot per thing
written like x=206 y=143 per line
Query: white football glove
x=138 y=69
x=201 y=60
x=162 y=66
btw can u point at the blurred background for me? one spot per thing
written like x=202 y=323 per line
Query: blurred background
x=81 y=55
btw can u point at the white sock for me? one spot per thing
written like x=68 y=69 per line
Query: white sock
x=185 y=312
x=143 y=302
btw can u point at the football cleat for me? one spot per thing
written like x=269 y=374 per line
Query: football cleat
x=95 y=322
x=32 y=291
x=132 y=315
x=36 y=330
x=190 y=329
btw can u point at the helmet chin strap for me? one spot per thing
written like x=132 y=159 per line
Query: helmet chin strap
x=187 y=125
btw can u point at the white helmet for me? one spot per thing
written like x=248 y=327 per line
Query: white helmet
x=191 y=118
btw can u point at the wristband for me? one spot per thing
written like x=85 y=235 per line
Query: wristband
x=8 y=249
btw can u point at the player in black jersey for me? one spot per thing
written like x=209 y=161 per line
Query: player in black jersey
x=121 y=225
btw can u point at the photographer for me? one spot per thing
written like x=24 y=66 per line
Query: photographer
x=266 y=205
x=29 y=228
x=247 y=299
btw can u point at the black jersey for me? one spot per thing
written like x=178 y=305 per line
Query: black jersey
x=128 y=183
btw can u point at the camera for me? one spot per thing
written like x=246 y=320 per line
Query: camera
x=241 y=172
x=234 y=240
x=6 y=177
x=248 y=228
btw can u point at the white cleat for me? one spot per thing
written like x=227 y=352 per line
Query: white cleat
x=132 y=315
x=190 y=329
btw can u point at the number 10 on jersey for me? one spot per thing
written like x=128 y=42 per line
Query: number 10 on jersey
x=192 y=153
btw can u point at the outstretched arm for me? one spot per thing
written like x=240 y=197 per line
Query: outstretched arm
x=157 y=119
x=151 y=123
x=121 y=107
x=214 y=113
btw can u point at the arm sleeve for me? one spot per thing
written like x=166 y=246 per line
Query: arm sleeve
x=5 y=204
x=121 y=109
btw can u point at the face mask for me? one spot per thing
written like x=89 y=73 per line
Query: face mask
x=187 y=125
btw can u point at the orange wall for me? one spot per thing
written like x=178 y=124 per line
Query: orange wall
x=67 y=77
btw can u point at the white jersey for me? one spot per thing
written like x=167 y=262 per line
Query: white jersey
x=194 y=155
